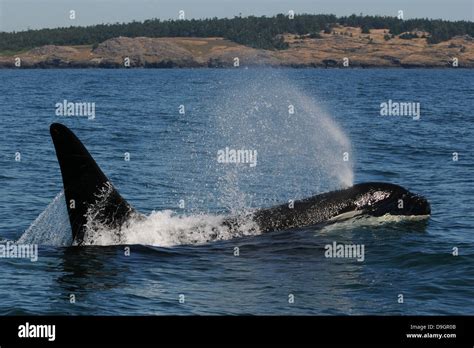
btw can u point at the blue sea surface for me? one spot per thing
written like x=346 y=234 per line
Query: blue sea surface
x=173 y=160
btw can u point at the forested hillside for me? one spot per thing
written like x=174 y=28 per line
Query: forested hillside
x=258 y=32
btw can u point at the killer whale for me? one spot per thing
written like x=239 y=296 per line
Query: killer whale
x=92 y=200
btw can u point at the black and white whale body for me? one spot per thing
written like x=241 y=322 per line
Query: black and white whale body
x=93 y=201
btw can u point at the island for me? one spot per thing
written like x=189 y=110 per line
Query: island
x=322 y=41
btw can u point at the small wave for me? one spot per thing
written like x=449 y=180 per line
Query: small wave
x=167 y=229
x=163 y=228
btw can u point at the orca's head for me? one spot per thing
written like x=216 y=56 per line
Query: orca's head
x=378 y=199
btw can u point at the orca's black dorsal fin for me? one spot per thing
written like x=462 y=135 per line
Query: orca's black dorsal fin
x=90 y=197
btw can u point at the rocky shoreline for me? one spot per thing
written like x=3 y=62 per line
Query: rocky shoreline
x=345 y=47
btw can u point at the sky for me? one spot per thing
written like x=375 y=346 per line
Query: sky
x=18 y=15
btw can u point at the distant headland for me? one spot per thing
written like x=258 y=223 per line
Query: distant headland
x=279 y=41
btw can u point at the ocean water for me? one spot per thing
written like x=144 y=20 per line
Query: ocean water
x=313 y=130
